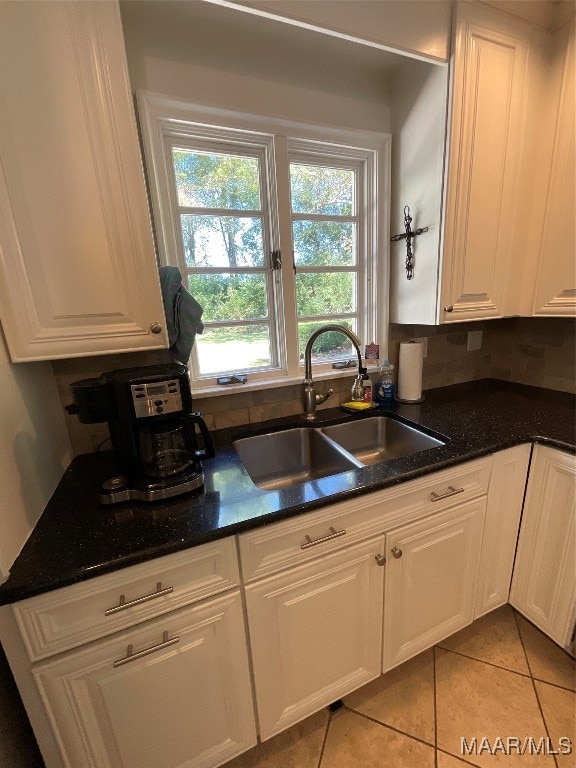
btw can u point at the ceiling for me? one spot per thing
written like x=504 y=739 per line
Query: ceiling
x=227 y=39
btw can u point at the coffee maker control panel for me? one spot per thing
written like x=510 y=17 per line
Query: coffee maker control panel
x=156 y=398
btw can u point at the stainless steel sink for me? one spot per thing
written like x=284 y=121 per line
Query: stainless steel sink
x=280 y=459
x=378 y=438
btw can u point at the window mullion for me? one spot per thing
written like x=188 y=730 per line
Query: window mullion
x=324 y=217
x=289 y=321
x=238 y=323
x=225 y=271
x=235 y=212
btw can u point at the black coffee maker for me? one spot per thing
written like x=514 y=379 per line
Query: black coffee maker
x=152 y=428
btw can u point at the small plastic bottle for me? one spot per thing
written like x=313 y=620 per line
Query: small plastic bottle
x=384 y=394
x=368 y=388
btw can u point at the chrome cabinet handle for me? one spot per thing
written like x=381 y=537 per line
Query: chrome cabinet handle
x=380 y=559
x=397 y=552
x=131 y=656
x=449 y=308
x=123 y=605
x=332 y=535
x=450 y=492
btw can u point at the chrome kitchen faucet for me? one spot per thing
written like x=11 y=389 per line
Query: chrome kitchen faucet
x=311 y=399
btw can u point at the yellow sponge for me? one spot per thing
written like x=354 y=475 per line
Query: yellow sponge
x=357 y=405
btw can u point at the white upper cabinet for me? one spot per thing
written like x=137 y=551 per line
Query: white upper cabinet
x=555 y=292
x=78 y=273
x=496 y=189
x=485 y=146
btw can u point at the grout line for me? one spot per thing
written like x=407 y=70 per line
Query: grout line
x=554 y=685
x=534 y=685
x=325 y=738
x=435 y=708
x=489 y=663
x=544 y=635
x=457 y=757
x=387 y=725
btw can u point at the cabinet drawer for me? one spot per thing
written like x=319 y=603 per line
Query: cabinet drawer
x=171 y=692
x=68 y=617
x=273 y=547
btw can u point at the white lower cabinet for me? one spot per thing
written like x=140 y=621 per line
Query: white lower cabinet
x=431 y=580
x=174 y=691
x=333 y=598
x=315 y=633
x=503 y=511
x=544 y=583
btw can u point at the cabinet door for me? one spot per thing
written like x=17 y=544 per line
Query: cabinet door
x=544 y=583
x=556 y=282
x=431 y=573
x=174 y=692
x=315 y=633
x=485 y=145
x=503 y=510
x=78 y=273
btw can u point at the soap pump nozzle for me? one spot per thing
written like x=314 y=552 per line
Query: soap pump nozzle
x=358 y=386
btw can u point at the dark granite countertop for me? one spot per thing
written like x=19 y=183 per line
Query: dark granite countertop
x=76 y=538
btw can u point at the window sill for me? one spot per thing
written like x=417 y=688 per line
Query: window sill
x=234 y=389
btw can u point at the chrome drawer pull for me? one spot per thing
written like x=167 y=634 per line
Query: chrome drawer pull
x=131 y=656
x=450 y=492
x=332 y=535
x=123 y=605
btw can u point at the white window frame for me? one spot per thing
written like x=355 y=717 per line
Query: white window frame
x=247 y=145
x=166 y=122
x=362 y=162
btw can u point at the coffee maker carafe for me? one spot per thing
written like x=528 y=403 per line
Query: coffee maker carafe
x=153 y=430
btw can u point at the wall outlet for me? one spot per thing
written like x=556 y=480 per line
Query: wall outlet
x=423 y=340
x=474 y=341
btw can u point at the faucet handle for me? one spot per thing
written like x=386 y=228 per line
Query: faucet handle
x=322 y=398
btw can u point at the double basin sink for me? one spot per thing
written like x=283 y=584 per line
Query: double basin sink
x=295 y=455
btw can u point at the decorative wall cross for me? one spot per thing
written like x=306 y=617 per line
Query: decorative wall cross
x=408 y=235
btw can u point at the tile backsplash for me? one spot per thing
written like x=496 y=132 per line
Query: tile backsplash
x=537 y=351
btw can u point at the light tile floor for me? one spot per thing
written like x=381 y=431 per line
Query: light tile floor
x=500 y=677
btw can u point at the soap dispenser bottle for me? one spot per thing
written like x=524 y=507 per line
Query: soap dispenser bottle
x=384 y=394
x=357 y=393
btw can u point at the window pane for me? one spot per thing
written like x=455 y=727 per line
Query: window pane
x=325 y=293
x=230 y=297
x=211 y=180
x=328 y=346
x=241 y=348
x=222 y=241
x=324 y=243
x=318 y=189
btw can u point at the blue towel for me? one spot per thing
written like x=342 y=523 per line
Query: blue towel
x=183 y=314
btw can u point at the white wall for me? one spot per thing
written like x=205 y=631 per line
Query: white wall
x=202 y=53
x=34 y=449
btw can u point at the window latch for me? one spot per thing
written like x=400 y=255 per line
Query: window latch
x=275 y=260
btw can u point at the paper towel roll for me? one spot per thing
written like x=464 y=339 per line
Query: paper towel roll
x=410 y=371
